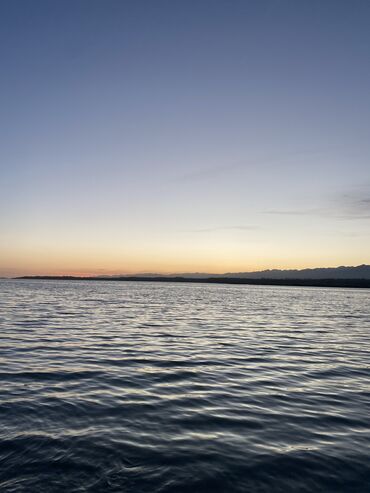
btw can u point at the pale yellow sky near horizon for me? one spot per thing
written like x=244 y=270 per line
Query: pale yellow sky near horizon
x=212 y=254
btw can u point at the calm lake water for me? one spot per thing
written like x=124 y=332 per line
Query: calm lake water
x=151 y=387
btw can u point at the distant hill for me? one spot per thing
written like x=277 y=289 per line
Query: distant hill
x=342 y=272
x=346 y=277
x=359 y=272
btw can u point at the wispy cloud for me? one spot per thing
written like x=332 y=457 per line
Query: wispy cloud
x=225 y=228
x=295 y=212
x=328 y=213
x=357 y=203
x=354 y=205
x=212 y=172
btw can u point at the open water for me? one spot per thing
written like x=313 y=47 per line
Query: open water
x=165 y=387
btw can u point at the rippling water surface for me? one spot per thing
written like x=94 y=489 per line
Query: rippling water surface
x=151 y=387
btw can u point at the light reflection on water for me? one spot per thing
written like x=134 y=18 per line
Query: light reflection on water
x=150 y=387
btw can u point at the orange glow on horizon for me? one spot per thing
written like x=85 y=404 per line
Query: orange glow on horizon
x=172 y=257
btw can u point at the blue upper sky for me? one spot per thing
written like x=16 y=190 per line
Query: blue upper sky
x=183 y=135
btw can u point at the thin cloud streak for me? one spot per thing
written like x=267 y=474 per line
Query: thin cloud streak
x=320 y=213
x=225 y=169
x=349 y=206
x=295 y=212
x=225 y=228
x=211 y=172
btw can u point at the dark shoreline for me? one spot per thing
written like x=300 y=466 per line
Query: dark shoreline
x=327 y=283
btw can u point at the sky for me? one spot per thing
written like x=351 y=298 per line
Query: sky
x=183 y=135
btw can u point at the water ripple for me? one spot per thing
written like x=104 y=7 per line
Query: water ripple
x=161 y=388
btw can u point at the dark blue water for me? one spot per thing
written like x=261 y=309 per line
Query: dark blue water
x=150 y=387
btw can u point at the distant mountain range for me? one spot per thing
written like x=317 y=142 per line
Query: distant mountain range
x=345 y=277
x=342 y=272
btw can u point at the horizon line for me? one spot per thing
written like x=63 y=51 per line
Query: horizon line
x=78 y=273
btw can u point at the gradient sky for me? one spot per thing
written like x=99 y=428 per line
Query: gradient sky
x=173 y=136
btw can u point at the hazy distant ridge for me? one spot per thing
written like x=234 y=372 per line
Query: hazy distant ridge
x=342 y=272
